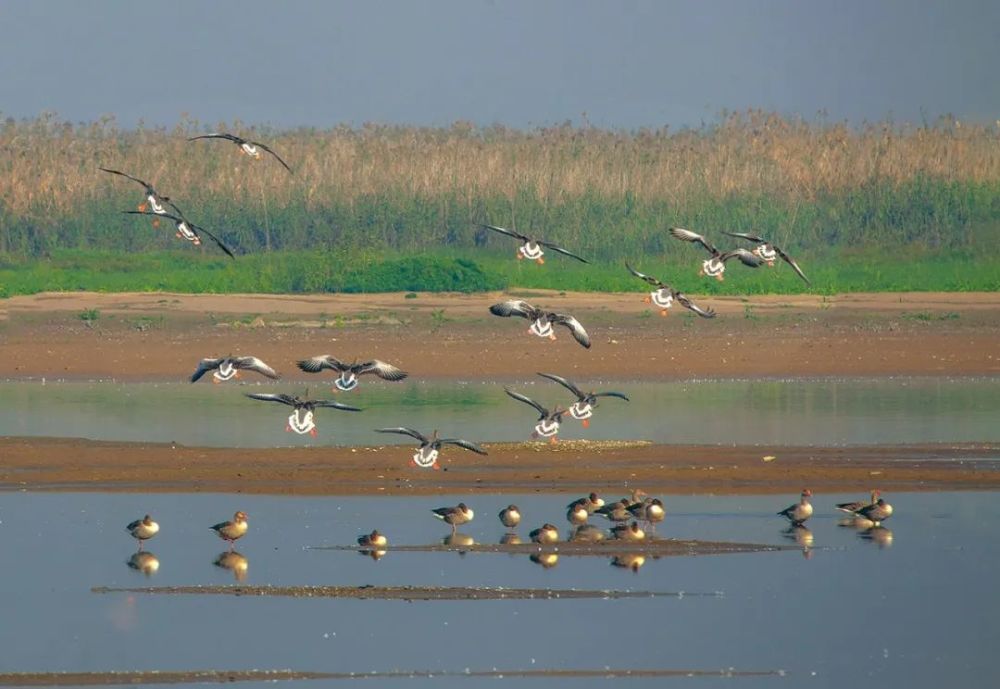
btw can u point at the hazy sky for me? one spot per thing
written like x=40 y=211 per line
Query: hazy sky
x=523 y=63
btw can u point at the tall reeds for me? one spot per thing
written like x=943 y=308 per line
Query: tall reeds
x=609 y=193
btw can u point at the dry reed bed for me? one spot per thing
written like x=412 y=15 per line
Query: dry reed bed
x=49 y=168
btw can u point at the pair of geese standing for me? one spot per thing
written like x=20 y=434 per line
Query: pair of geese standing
x=875 y=511
x=231 y=531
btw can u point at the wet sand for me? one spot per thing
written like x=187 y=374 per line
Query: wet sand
x=162 y=336
x=568 y=467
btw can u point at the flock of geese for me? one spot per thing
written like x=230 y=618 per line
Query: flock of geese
x=625 y=515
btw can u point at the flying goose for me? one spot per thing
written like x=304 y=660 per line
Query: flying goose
x=427 y=455
x=246 y=145
x=232 y=530
x=143 y=529
x=301 y=419
x=716 y=265
x=188 y=230
x=768 y=252
x=585 y=403
x=800 y=511
x=664 y=296
x=548 y=421
x=455 y=516
x=154 y=201
x=349 y=373
x=541 y=321
x=532 y=248
x=228 y=367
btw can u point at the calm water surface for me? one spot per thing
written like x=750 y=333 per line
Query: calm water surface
x=797 y=412
x=921 y=611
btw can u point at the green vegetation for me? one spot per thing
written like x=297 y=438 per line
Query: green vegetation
x=883 y=207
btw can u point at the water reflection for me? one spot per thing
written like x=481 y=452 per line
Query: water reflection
x=587 y=533
x=546 y=560
x=802 y=536
x=145 y=562
x=458 y=539
x=510 y=538
x=234 y=562
x=879 y=535
x=631 y=561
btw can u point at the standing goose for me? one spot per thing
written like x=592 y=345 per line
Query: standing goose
x=715 y=266
x=768 y=252
x=664 y=296
x=547 y=533
x=188 y=230
x=876 y=513
x=541 y=320
x=427 y=455
x=591 y=503
x=583 y=408
x=577 y=514
x=154 y=201
x=349 y=373
x=510 y=516
x=548 y=421
x=649 y=510
x=616 y=512
x=143 y=529
x=251 y=148
x=800 y=511
x=531 y=249
x=455 y=516
x=373 y=545
x=232 y=530
x=301 y=419
x=630 y=532
x=228 y=367
x=853 y=507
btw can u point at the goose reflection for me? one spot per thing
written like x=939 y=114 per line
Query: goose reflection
x=878 y=535
x=234 y=562
x=802 y=536
x=546 y=560
x=510 y=538
x=631 y=561
x=458 y=539
x=587 y=533
x=145 y=562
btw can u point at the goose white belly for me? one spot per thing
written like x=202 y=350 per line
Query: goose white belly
x=301 y=421
x=531 y=251
x=713 y=267
x=425 y=457
x=766 y=252
x=347 y=381
x=547 y=428
x=155 y=205
x=581 y=410
x=250 y=150
x=226 y=371
x=541 y=327
x=662 y=298
x=187 y=233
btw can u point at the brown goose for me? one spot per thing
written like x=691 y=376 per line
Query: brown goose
x=301 y=419
x=664 y=296
x=349 y=373
x=650 y=510
x=769 y=251
x=592 y=503
x=547 y=533
x=546 y=560
x=616 y=512
x=228 y=367
x=585 y=403
x=143 y=529
x=373 y=540
x=455 y=516
x=510 y=516
x=631 y=561
x=577 y=515
x=541 y=320
x=251 y=148
x=531 y=249
x=188 y=230
x=587 y=533
x=800 y=511
x=232 y=530
x=876 y=513
x=427 y=455
x=154 y=201
x=548 y=421
x=630 y=532
x=853 y=507
x=715 y=266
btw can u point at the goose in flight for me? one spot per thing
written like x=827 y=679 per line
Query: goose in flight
x=251 y=148
x=664 y=296
x=531 y=249
x=583 y=408
x=548 y=421
x=541 y=320
x=349 y=373
x=301 y=419
x=187 y=229
x=427 y=455
x=768 y=251
x=228 y=367
x=154 y=201
x=715 y=266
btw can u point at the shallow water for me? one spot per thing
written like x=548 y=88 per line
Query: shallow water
x=793 y=412
x=921 y=612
